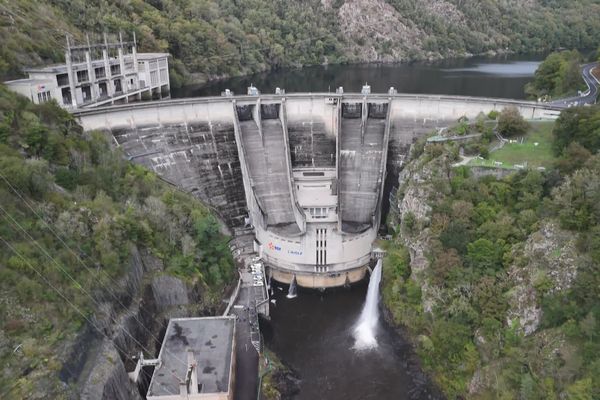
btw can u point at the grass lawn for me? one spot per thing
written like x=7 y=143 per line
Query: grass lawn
x=526 y=153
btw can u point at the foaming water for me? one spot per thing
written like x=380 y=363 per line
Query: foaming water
x=366 y=329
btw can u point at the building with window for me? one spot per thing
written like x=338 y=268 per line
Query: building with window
x=98 y=74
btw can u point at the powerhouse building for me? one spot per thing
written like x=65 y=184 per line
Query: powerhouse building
x=111 y=72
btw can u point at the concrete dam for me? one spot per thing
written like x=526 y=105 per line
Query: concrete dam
x=304 y=172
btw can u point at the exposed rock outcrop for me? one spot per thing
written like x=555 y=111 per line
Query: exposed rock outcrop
x=551 y=267
x=108 y=379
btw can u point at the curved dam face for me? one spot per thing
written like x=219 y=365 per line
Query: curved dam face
x=304 y=172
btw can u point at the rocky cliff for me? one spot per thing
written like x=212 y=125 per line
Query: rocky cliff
x=146 y=298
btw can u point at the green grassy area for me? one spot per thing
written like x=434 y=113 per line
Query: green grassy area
x=535 y=151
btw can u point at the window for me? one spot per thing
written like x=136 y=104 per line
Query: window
x=66 y=96
x=103 y=89
x=163 y=75
x=115 y=69
x=86 y=93
x=62 y=79
x=100 y=73
x=153 y=78
x=82 y=76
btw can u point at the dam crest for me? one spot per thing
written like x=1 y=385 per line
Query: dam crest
x=308 y=174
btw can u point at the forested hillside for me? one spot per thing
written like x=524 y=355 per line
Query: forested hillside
x=497 y=277
x=212 y=38
x=73 y=214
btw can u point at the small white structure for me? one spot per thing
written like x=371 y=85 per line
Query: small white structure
x=98 y=74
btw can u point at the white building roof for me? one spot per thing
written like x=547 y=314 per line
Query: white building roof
x=151 y=56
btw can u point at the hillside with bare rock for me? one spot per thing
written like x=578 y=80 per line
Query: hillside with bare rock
x=496 y=277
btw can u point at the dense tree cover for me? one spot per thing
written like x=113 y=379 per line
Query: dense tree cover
x=559 y=75
x=210 y=38
x=578 y=125
x=99 y=205
x=475 y=234
x=214 y=38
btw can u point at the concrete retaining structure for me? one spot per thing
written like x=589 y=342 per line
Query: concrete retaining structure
x=307 y=171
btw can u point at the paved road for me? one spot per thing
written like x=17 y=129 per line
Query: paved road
x=247 y=331
x=590 y=96
x=246 y=367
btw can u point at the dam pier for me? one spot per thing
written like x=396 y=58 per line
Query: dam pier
x=304 y=172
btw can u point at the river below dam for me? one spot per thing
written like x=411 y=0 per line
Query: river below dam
x=313 y=334
x=503 y=77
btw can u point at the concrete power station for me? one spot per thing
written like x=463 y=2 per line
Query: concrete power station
x=305 y=171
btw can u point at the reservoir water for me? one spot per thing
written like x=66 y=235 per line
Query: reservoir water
x=313 y=333
x=503 y=77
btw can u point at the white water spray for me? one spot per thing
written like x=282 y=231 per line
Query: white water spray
x=365 y=330
x=292 y=291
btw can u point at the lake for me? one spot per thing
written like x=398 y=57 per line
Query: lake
x=503 y=77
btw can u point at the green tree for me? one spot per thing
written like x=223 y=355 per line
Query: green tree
x=511 y=122
x=484 y=256
x=579 y=124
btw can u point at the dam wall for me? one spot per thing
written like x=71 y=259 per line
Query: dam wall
x=309 y=173
x=190 y=145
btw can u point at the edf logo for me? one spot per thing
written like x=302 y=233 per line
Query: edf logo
x=273 y=247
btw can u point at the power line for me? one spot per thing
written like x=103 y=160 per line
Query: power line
x=11 y=247
x=87 y=269
x=78 y=285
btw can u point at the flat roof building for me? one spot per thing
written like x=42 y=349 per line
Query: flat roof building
x=196 y=360
x=98 y=74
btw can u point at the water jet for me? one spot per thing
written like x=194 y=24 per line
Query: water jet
x=292 y=291
x=366 y=328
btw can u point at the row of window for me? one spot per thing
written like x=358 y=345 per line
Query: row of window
x=44 y=97
x=319 y=212
x=83 y=76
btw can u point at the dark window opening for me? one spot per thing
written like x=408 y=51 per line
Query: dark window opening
x=82 y=76
x=100 y=73
x=62 y=79
x=103 y=89
x=86 y=92
x=115 y=69
x=66 y=96
x=313 y=173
